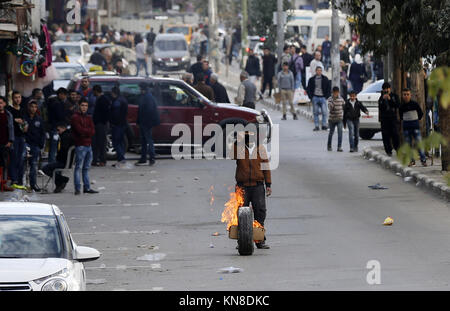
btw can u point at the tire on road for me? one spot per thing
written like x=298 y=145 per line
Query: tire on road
x=245 y=231
x=366 y=134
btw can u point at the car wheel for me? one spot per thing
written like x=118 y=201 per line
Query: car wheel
x=110 y=151
x=245 y=231
x=132 y=67
x=366 y=134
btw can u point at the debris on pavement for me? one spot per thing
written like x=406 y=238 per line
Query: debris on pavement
x=230 y=270
x=211 y=245
x=216 y=234
x=388 y=221
x=378 y=187
x=152 y=257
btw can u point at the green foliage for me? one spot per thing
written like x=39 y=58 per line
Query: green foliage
x=439 y=82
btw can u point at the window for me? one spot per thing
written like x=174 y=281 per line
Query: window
x=176 y=96
x=30 y=237
x=171 y=45
x=182 y=30
x=71 y=50
x=131 y=92
x=322 y=31
x=67 y=73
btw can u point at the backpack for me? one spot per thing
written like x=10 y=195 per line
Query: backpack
x=292 y=66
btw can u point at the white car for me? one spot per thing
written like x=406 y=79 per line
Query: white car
x=369 y=125
x=66 y=71
x=78 y=52
x=37 y=252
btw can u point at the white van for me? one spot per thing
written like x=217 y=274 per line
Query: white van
x=312 y=27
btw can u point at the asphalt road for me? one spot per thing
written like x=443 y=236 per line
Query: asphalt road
x=324 y=224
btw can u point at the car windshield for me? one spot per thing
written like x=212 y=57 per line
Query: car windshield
x=71 y=37
x=373 y=88
x=30 y=237
x=71 y=50
x=67 y=73
x=171 y=45
x=182 y=30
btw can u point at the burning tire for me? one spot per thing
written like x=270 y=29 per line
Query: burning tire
x=245 y=231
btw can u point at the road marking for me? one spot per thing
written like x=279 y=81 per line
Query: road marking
x=120 y=232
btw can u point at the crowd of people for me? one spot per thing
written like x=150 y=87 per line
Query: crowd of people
x=73 y=126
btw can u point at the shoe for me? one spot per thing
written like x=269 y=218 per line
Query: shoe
x=295 y=117
x=140 y=163
x=340 y=150
x=352 y=150
x=330 y=149
x=90 y=191
x=59 y=189
x=284 y=118
x=316 y=129
x=324 y=128
x=94 y=164
x=77 y=192
x=424 y=163
x=262 y=245
x=412 y=163
x=36 y=189
x=102 y=164
x=151 y=162
x=389 y=154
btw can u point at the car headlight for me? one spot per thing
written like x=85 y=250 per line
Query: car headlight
x=159 y=59
x=55 y=285
x=185 y=58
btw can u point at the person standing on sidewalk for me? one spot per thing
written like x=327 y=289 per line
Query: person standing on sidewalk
x=6 y=138
x=148 y=117
x=318 y=91
x=18 y=151
x=251 y=176
x=336 y=105
x=388 y=106
x=307 y=59
x=246 y=95
x=35 y=140
x=297 y=62
x=410 y=115
x=118 y=120
x=220 y=92
x=326 y=50
x=56 y=114
x=253 y=68
x=286 y=85
x=352 y=113
x=100 y=118
x=141 y=56
x=83 y=130
x=316 y=62
x=269 y=61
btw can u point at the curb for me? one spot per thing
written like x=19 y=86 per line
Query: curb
x=421 y=180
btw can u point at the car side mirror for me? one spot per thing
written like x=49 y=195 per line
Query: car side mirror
x=85 y=254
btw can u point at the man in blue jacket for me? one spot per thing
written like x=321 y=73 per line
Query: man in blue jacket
x=148 y=117
x=118 y=120
x=35 y=140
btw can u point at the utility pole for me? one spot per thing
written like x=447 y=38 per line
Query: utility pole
x=335 y=55
x=244 y=32
x=280 y=29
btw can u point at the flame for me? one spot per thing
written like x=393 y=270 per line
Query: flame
x=230 y=214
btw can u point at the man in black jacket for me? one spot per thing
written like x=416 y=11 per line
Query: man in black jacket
x=197 y=68
x=220 y=92
x=352 y=113
x=388 y=106
x=56 y=114
x=35 y=140
x=307 y=59
x=118 y=121
x=410 y=115
x=100 y=118
x=61 y=158
x=253 y=68
x=319 y=90
x=269 y=61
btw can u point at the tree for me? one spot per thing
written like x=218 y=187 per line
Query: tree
x=261 y=19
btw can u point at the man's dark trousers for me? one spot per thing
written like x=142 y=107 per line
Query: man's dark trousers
x=389 y=131
x=257 y=197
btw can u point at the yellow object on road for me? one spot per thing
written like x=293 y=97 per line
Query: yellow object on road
x=388 y=221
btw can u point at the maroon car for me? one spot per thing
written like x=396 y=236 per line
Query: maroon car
x=177 y=103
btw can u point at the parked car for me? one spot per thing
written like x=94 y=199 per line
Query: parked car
x=369 y=125
x=171 y=53
x=128 y=56
x=66 y=71
x=78 y=52
x=177 y=103
x=37 y=252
